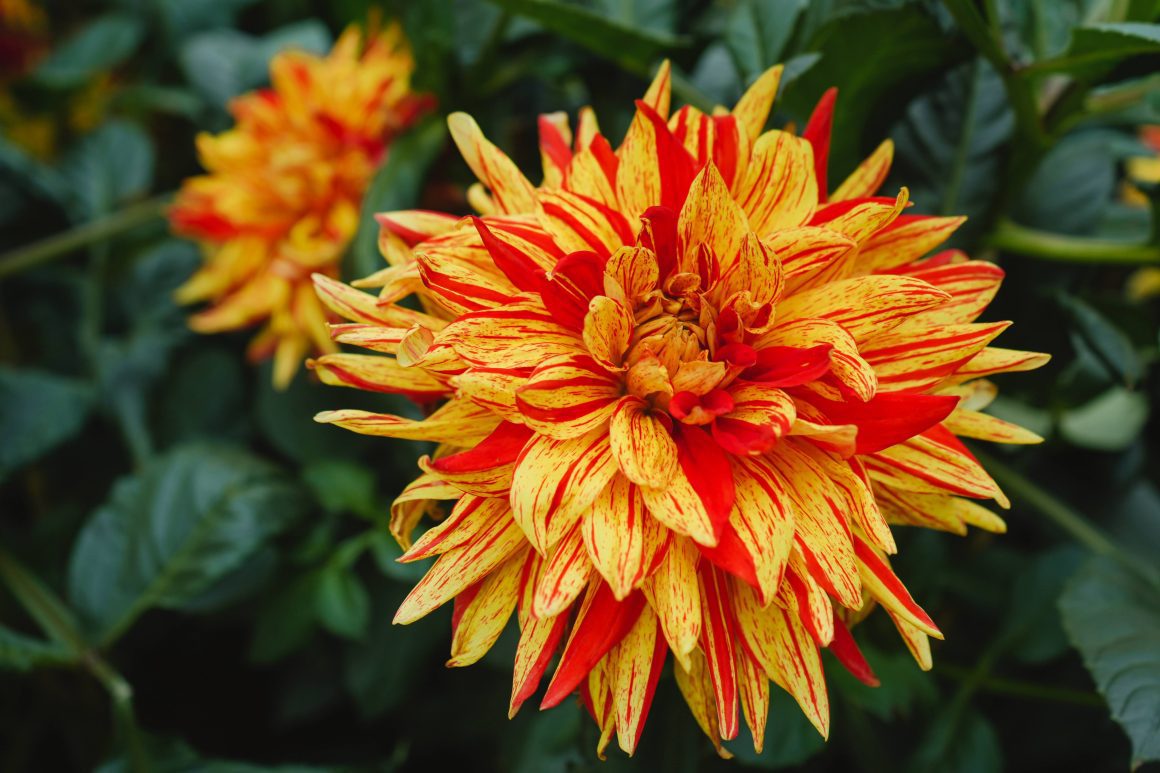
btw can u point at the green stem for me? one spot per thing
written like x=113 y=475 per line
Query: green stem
x=56 y=620
x=98 y=230
x=1068 y=520
x=1021 y=689
x=1070 y=249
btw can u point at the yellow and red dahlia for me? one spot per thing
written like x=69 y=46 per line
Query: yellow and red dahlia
x=282 y=195
x=684 y=391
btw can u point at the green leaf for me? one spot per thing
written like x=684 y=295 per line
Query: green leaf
x=1107 y=342
x=182 y=18
x=285 y=418
x=341 y=602
x=100 y=46
x=378 y=681
x=38 y=411
x=653 y=15
x=1111 y=422
x=632 y=48
x=386 y=552
x=285 y=621
x=342 y=487
x=1078 y=177
x=23 y=653
x=949 y=146
x=203 y=397
x=396 y=185
x=757 y=32
x=1032 y=630
x=109 y=167
x=221 y=64
x=1096 y=48
x=1113 y=618
x=875 y=58
x=550 y=743
x=168 y=533
x=959 y=742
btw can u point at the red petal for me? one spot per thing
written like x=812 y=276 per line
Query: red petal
x=520 y=270
x=846 y=650
x=601 y=625
x=708 y=471
x=817 y=133
x=501 y=447
x=732 y=556
x=888 y=418
x=786 y=366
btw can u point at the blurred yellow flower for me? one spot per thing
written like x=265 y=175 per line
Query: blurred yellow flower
x=284 y=187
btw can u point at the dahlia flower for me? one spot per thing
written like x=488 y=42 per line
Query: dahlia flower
x=281 y=199
x=682 y=392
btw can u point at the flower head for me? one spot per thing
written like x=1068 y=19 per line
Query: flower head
x=282 y=195
x=685 y=393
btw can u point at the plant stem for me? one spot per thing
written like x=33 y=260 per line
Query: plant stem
x=1021 y=689
x=60 y=245
x=56 y=620
x=1075 y=525
x=1069 y=249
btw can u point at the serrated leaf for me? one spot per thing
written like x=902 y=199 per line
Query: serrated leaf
x=634 y=49
x=38 y=411
x=100 y=46
x=168 y=533
x=1112 y=616
x=341 y=602
x=396 y=185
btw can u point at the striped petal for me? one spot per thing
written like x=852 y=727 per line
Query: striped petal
x=674 y=595
x=521 y=334
x=458 y=422
x=869 y=176
x=568 y=396
x=821 y=530
x=717 y=644
x=479 y=623
x=555 y=481
x=623 y=542
x=463 y=566
x=642 y=444
x=780 y=190
x=636 y=664
x=510 y=190
x=865 y=306
x=565 y=574
x=600 y=625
